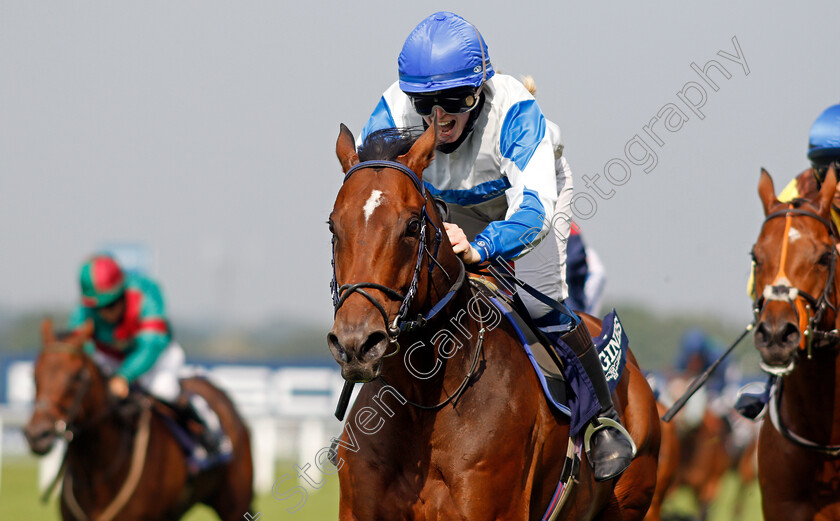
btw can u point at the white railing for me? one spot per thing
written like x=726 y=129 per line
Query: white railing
x=289 y=411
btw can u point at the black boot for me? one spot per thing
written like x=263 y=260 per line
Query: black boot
x=209 y=439
x=608 y=445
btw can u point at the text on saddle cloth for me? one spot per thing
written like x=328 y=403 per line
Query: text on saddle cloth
x=612 y=345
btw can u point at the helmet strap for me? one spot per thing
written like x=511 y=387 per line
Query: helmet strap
x=483 y=56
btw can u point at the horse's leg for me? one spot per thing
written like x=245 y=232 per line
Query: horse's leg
x=635 y=487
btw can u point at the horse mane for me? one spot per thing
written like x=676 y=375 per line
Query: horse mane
x=63 y=335
x=388 y=143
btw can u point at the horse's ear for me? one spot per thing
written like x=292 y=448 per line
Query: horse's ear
x=422 y=151
x=345 y=149
x=766 y=191
x=827 y=191
x=47 y=333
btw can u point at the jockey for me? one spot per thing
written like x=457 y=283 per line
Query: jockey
x=823 y=152
x=132 y=343
x=499 y=166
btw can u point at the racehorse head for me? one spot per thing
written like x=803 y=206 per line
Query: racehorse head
x=795 y=260
x=386 y=235
x=63 y=377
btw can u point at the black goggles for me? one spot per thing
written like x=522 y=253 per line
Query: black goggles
x=450 y=102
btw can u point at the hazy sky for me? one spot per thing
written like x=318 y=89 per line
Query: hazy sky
x=207 y=131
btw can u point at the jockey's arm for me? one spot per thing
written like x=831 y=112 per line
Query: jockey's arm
x=152 y=337
x=148 y=345
x=528 y=162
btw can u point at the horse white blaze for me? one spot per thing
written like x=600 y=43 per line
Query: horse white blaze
x=373 y=201
x=794 y=234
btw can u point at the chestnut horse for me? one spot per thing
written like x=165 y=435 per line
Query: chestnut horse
x=796 y=335
x=105 y=478
x=455 y=426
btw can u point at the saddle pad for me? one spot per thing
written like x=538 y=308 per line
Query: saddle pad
x=611 y=343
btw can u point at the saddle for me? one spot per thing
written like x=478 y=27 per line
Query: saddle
x=612 y=345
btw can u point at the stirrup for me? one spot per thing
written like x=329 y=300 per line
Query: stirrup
x=603 y=423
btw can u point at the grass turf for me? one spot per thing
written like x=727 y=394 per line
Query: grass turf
x=19 y=499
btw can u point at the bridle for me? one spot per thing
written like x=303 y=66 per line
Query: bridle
x=399 y=324
x=809 y=311
x=67 y=428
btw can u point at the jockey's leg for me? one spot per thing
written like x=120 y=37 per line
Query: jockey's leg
x=162 y=381
x=611 y=449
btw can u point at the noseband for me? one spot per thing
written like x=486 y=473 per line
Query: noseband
x=340 y=294
x=809 y=311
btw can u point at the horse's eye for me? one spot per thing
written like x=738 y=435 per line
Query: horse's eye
x=332 y=227
x=825 y=258
x=413 y=228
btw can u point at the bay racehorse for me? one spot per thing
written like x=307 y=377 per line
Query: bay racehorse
x=454 y=427
x=127 y=466
x=796 y=335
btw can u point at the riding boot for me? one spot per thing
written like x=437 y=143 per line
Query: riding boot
x=609 y=447
x=211 y=439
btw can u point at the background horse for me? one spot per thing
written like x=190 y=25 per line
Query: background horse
x=102 y=480
x=455 y=427
x=797 y=293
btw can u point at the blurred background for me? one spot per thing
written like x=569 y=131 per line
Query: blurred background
x=197 y=138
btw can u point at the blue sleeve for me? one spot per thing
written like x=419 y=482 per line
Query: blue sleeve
x=379 y=119
x=529 y=165
x=509 y=238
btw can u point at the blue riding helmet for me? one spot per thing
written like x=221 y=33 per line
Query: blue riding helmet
x=443 y=52
x=824 y=140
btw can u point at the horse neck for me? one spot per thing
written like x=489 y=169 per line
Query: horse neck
x=422 y=372
x=810 y=404
x=97 y=443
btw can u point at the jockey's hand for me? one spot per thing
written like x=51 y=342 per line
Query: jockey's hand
x=461 y=245
x=118 y=386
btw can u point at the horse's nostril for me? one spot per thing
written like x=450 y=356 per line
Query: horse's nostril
x=790 y=334
x=762 y=335
x=335 y=345
x=372 y=341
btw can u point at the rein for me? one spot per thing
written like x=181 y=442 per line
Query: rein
x=467 y=378
x=809 y=311
x=138 y=460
